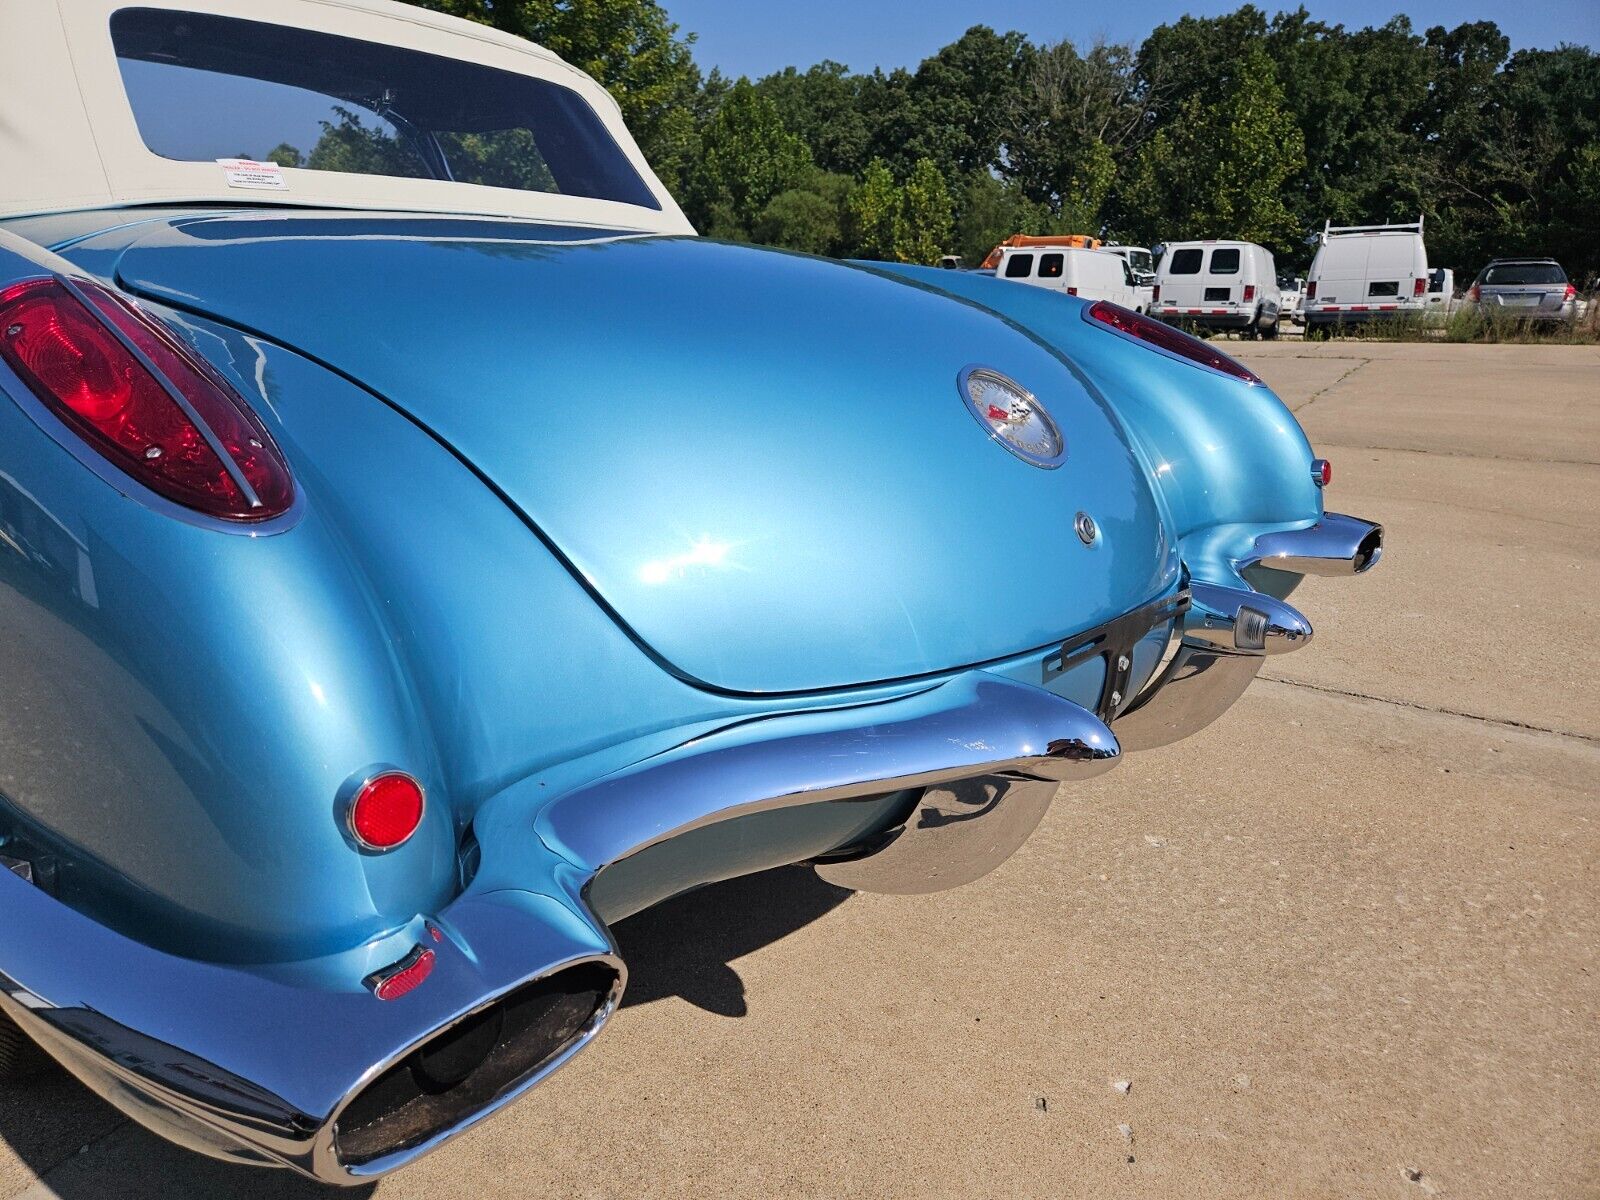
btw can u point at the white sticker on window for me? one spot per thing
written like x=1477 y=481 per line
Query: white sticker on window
x=257 y=176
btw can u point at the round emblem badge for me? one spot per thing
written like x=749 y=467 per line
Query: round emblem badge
x=1013 y=417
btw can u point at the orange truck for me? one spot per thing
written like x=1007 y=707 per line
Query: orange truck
x=1069 y=241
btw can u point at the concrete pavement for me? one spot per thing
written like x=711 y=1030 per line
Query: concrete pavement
x=1344 y=943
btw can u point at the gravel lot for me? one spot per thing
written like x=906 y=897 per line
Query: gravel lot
x=1344 y=943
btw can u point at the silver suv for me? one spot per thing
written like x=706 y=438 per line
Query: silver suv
x=1531 y=289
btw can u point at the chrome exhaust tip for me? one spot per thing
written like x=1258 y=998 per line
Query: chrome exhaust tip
x=1336 y=545
x=473 y=1065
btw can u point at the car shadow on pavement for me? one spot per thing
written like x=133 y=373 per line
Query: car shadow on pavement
x=80 y=1148
x=684 y=946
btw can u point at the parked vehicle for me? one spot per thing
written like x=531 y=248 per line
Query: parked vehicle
x=403 y=582
x=1051 y=241
x=1215 y=285
x=1143 y=265
x=1091 y=274
x=1291 y=290
x=1366 y=273
x=1441 y=294
x=1529 y=289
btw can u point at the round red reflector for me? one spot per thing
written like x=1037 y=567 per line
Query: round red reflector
x=386 y=811
x=1322 y=472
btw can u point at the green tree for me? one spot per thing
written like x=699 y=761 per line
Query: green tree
x=1078 y=117
x=924 y=227
x=747 y=158
x=823 y=106
x=1219 y=169
x=364 y=149
x=811 y=217
x=873 y=210
x=989 y=210
x=284 y=155
x=630 y=46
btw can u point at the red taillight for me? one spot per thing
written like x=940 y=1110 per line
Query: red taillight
x=1072 y=291
x=1419 y=287
x=404 y=977
x=1475 y=293
x=1249 y=292
x=1165 y=337
x=1155 y=293
x=1321 y=472
x=1571 y=293
x=386 y=811
x=1311 y=291
x=132 y=391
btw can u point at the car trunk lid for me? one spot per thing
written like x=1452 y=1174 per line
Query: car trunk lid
x=759 y=462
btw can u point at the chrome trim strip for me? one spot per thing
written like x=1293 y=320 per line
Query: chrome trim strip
x=975 y=725
x=172 y=390
x=1335 y=545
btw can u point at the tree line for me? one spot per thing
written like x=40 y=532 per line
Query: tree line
x=1244 y=125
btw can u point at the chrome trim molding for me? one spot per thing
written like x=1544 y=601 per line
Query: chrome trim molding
x=1228 y=633
x=352 y=789
x=250 y=1066
x=1246 y=621
x=257 y=1066
x=975 y=726
x=1335 y=545
x=174 y=393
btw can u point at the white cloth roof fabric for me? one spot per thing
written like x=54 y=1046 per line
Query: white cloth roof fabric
x=68 y=139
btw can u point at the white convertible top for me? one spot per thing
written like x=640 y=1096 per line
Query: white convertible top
x=68 y=138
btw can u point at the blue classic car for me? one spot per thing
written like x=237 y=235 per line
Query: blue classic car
x=418 y=551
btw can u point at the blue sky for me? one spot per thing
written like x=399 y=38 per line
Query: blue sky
x=753 y=37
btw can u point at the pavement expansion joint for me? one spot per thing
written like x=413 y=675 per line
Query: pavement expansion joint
x=1429 y=708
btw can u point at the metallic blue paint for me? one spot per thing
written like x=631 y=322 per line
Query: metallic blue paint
x=646 y=404
x=569 y=502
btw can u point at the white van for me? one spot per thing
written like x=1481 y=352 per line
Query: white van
x=1441 y=294
x=1143 y=265
x=1092 y=274
x=1366 y=273
x=1219 y=285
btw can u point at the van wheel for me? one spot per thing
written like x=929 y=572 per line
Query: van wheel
x=20 y=1057
x=1269 y=332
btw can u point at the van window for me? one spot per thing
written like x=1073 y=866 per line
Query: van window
x=1185 y=262
x=1019 y=266
x=1381 y=290
x=1051 y=266
x=1225 y=262
x=1436 y=280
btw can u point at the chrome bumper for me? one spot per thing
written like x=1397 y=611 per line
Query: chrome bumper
x=304 y=1067
x=1231 y=628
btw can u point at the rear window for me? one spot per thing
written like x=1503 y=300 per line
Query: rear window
x=1436 y=280
x=1378 y=290
x=1225 y=262
x=1019 y=266
x=1051 y=266
x=204 y=88
x=1512 y=274
x=1186 y=262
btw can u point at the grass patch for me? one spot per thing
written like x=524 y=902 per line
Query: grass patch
x=1471 y=325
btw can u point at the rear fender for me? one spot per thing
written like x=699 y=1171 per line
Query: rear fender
x=1228 y=457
